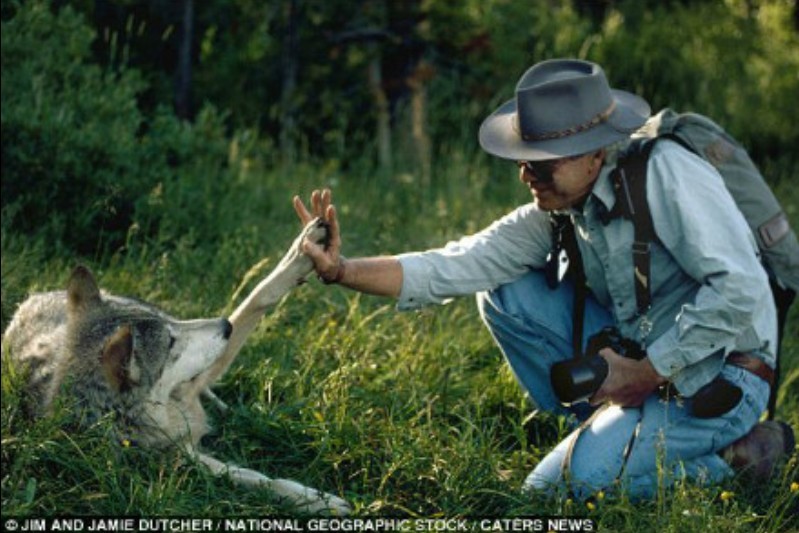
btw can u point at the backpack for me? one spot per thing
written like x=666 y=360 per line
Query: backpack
x=776 y=240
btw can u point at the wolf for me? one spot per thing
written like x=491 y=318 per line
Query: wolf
x=124 y=359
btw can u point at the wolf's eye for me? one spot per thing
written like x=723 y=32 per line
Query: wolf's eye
x=171 y=341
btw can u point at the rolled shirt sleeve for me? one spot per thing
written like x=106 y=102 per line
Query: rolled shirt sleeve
x=498 y=254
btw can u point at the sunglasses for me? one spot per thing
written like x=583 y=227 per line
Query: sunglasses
x=544 y=170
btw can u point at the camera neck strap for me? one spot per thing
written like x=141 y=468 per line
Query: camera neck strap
x=565 y=258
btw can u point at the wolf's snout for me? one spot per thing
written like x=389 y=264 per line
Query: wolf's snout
x=227 y=329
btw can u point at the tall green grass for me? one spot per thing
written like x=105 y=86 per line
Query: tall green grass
x=403 y=414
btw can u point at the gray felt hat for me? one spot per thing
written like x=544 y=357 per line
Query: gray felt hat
x=563 y=107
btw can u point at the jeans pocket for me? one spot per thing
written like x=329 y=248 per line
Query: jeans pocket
x=743 y=417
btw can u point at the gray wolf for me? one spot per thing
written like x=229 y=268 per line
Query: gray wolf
x=118 y=356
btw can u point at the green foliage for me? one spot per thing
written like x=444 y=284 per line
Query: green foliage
x=739 y=69
x=68 y=129
x=73 y=137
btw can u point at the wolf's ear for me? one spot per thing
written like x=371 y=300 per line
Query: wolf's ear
x=115 y=359
x=82 y=290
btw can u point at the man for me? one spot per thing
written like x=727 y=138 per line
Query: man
x=711 y=317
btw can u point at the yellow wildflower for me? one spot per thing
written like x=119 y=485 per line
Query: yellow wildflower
x=727 y=495
x=794 y=487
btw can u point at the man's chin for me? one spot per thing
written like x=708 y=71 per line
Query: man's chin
x=546 y=204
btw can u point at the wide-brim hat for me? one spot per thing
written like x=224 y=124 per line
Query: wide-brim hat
x=563 y=107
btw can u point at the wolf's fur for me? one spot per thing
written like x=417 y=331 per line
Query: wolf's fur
x=109 y=355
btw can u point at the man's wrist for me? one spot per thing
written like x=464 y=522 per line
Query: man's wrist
x=651 y=373
x=338 y=277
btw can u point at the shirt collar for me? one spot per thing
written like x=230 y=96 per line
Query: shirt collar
x=603 y=188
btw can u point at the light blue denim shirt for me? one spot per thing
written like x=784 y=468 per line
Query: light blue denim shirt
x=710 y=294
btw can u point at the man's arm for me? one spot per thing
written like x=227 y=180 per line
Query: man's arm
x=381 y=276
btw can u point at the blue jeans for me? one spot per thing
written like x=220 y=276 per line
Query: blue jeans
x=532 y=324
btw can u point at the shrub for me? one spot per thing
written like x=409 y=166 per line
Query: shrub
x=68 y=128
x=82 y=166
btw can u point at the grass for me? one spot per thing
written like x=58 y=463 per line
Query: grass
x=404 y=414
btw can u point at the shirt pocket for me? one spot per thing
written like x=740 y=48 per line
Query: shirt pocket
x=619 y=272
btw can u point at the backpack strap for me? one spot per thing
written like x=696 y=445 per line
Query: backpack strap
x=629 y=184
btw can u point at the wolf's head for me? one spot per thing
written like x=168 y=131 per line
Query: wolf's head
x=134 y=360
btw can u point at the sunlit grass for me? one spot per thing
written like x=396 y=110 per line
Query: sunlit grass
x=403 y=414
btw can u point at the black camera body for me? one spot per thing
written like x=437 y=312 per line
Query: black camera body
x=578 y=379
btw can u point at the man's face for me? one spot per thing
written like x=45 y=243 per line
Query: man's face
x=561 y=183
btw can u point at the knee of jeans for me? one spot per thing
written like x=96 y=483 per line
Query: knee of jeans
x=543 y=483
x=547 y=477
x=586 y=461
x=550 y=481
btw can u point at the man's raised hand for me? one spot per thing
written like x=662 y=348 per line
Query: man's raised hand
x=328 y=263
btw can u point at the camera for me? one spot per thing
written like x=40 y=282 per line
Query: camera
x=578 y=379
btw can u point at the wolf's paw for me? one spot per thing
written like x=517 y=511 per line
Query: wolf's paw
x=317 y=231
x=328 y=504
x=309 y=500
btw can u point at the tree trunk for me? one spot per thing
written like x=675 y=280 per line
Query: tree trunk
x=183 y=104
x=289 y=60
x=421 y=140
x=383 y=113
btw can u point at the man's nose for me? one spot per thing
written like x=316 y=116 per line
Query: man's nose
x=528 y=175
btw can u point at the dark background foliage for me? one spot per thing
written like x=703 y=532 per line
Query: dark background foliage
x=117 y=111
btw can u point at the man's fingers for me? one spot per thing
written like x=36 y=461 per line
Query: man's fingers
x=320 y=202
x=319 y=206
x=322 y=207
x=302 y=212
x=335 y=236
x=327 y=200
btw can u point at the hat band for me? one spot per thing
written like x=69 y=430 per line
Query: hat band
x=546 y=136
